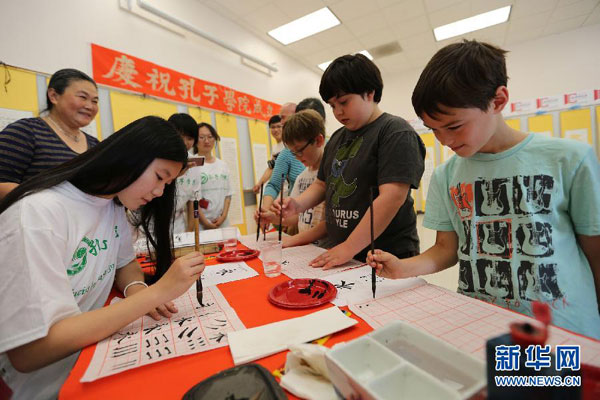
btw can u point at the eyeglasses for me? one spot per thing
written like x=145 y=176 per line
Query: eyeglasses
x=298 y=153
x=205 y=138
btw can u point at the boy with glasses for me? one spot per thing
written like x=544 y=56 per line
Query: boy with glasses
x=304 y=137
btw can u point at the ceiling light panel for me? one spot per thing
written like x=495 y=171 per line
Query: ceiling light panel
x=471 y=24
x=305 y=26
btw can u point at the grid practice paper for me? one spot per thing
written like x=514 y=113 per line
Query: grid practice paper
x=145 y=341
x=462 y=321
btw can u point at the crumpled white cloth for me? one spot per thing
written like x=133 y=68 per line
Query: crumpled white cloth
x=306 y=375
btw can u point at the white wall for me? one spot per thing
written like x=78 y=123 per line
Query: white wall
x=49 y=35
x=548 y=66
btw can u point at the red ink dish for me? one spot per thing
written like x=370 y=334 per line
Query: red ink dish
x=237 y=255
x=302 y=293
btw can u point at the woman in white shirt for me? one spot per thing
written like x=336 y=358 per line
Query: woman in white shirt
x=216 y=188
x=65 y=240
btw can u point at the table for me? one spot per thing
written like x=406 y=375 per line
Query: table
x=170 y=379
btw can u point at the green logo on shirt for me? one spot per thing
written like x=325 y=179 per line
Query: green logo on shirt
x=79 y=259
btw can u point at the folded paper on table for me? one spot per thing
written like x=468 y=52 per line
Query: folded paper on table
x=251 y=344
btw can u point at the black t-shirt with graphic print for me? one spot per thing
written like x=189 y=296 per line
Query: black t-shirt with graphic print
x=386 y=150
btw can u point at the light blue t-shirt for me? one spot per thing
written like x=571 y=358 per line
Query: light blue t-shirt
x=516 y=214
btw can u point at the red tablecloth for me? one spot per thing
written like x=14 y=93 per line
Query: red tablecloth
x=171 y=378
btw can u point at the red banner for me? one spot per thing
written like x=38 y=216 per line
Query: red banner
x=116 y=69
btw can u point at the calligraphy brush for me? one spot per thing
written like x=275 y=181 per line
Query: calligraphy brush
x=197 y=248
x=281 y=204
x=259 y=211
x=373 y=276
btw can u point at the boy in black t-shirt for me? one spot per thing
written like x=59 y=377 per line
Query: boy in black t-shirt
x=373 y=149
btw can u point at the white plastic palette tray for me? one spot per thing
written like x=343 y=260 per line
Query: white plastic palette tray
x=399 y=361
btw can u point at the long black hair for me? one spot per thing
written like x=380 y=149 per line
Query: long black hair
x=114 y=164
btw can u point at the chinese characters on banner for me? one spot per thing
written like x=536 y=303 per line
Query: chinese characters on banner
x=116 y=69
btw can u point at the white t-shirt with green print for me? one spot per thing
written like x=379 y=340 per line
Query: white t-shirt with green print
x=59 y=249
x=216 y=186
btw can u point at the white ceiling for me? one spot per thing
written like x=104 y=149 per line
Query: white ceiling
x=369 y=23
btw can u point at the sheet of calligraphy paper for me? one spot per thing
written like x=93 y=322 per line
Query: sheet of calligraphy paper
x=226 y=272
x=296 y=259
x=250 y=240
x=251 y=344
x=354 y=285
x=462 y=321
x=192 y=330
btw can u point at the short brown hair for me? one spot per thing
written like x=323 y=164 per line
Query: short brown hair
x=460 y=75
x=305 y=125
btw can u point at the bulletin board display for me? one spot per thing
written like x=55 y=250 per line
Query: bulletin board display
x=514 y=123
x=429 y=141
x=18 y=90
x=18 y=95
x=259 y=146
x=127 y=108
x=542 y=124
x=577 y=125
x=229 y=150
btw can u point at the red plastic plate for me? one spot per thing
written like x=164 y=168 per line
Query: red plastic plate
x=302 y=293
x=237 y=255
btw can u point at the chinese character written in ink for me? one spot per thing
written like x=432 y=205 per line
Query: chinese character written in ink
x=567 y=357
x=218 y=337
x=206 y=304
x=508 y=357
x=125 y=335
x=122 y=351
x=225 y=271
x=538 y=356
x=344 y=285
x=156 y=327
x=183 y=320
x=123 y=70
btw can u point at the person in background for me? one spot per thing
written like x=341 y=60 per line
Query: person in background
x=518 y=212
x=288 y=165
x=285 y=164
x=66 y=239
x=189 y=186
x=304 y=135
x=275 y=126
x=31 y=145
x=214 y=174
x=373 y=150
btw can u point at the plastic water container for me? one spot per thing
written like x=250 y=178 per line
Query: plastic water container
x=399 y=361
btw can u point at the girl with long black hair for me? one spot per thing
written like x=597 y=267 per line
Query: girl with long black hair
x=65 y=239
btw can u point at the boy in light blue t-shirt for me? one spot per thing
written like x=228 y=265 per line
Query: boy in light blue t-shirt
x=519 y=213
